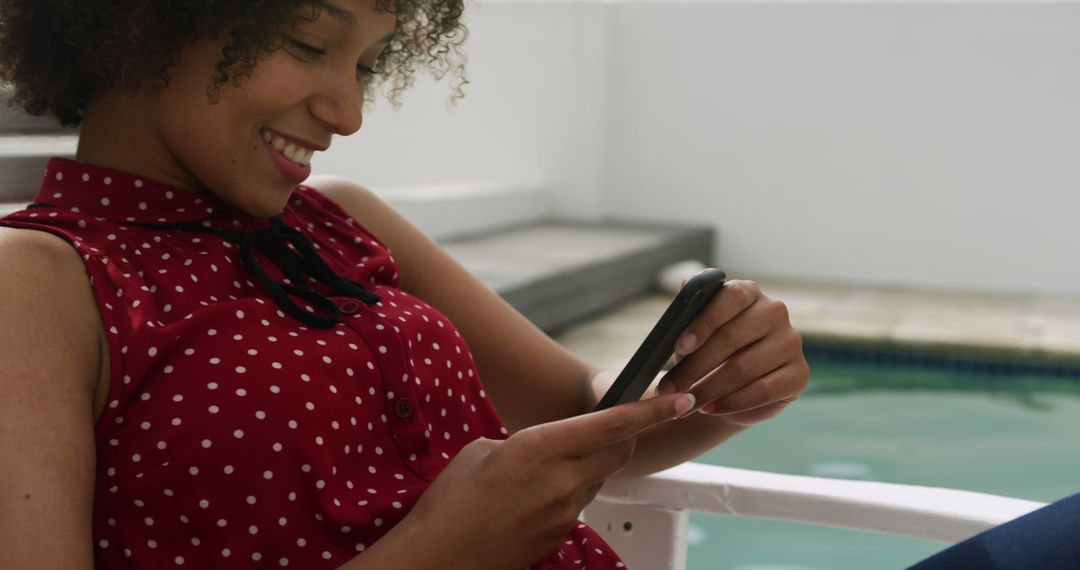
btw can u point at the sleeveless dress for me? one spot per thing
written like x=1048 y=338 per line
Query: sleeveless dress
x=235 y=435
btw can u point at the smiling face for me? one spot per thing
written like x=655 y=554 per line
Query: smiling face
x=253 y=144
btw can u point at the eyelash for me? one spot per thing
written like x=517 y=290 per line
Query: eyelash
x=316 y=53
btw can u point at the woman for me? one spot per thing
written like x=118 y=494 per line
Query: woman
x=208 y=363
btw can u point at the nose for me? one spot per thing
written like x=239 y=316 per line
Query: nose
x=338 y=105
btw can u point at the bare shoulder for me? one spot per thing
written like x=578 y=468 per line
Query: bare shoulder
x=352 y=197
x=26 y=243
x=49 y=351
x=49 y=314
x=44 y=269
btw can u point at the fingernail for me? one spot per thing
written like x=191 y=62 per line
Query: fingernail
x=684 y=404
x=665 y=387
x=709 y=408
x=688 y=343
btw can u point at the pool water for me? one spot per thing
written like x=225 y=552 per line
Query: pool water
x=1006 y=435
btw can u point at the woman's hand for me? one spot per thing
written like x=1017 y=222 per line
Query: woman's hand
x=507 y=504
x=739 y=357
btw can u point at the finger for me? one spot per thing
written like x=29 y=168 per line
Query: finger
x=695 y=275
x=589 y=432
x=732 y=299
x=776 y=389
x=748 y=327
x=749 y=365
x=600 y=465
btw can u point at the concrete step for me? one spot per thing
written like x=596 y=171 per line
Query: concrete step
x=557 y=273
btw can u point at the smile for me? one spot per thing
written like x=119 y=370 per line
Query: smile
x=298 y=154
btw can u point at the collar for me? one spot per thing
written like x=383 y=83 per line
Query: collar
x=118 y=196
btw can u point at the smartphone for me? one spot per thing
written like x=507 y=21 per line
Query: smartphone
x=659 y=345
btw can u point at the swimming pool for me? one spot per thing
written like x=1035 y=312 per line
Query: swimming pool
x=1011 y=431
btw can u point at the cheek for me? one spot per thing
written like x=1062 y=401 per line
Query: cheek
x=280 y=83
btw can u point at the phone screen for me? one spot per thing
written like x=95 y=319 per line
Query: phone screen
x=659 y=345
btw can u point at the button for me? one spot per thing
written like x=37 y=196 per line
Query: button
x=349 y=307
x=403 y=408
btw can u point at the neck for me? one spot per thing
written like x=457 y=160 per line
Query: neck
x=118 y=132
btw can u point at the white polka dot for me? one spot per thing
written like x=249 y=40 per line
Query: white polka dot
x=268 y=474
x=238 y=434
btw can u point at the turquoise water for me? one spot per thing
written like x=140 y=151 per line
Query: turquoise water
x=1013 y=436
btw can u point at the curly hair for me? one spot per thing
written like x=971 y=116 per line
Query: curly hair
x=55 y=53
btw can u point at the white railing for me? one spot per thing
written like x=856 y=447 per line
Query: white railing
x=645 y=520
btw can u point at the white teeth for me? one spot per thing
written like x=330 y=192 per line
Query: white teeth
x=291 y=151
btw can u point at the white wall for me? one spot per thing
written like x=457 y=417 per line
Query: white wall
x=920 y=144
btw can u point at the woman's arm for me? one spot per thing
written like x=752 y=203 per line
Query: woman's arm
x=49 y=364
x=530 y=378
x=748 y=366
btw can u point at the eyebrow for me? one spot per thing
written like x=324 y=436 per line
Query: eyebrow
x=347 y=17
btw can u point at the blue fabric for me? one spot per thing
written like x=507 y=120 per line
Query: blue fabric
x=1047 y=539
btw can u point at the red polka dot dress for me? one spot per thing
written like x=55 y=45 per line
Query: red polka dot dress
x=242 y=431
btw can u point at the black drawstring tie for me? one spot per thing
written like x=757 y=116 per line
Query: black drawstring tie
x=271 y=242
